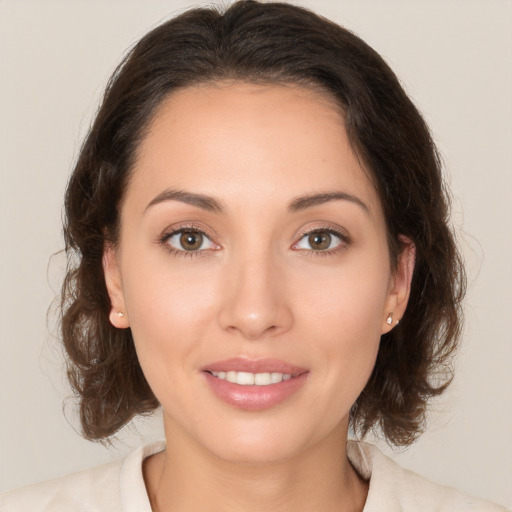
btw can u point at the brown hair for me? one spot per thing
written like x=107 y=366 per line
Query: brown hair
x=269 y=43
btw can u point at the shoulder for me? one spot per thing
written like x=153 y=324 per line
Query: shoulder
x=78 y=491
x=393 y=488
x=102 y=488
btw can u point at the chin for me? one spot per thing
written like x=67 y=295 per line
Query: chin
x=256 y=452
x=272 y=442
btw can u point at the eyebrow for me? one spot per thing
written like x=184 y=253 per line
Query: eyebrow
x=303 y=202
x=211 y=204
x=200 y=200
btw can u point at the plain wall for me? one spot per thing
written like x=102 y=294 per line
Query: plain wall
x=454 y=58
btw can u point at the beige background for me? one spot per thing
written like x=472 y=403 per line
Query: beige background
x=454 y=58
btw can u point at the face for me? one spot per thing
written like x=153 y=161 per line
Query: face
x=253 y=270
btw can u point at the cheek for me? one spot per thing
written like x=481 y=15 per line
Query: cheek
x=170 y=310
x=342 y=321
x=350 y=299
x=166 y=292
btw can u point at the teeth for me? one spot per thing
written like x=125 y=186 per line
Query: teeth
x=276 y=377
x=252 y=379
x=262 y=379
x=245 y=379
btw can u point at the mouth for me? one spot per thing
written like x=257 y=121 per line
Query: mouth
x=253 y=379
x=254 y=384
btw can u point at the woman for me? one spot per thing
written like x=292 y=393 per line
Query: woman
x=258 y=242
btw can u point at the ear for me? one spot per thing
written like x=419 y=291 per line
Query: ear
x=118 y=314
x=400 y=285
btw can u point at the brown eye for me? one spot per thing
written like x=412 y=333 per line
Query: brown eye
x=188 y=240
x=319 y=241
x=191 y=240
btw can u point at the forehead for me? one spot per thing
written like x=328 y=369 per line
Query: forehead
x=267 y=141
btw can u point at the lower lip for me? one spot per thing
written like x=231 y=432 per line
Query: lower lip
x=255 y=398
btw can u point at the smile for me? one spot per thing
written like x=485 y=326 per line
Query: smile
x=254 y=385
x=252 y=379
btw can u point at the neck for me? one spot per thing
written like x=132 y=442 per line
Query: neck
x=187 y=477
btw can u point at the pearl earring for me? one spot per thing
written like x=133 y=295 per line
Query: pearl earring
x=120 y=314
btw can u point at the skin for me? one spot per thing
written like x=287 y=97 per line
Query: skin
x=258 y=290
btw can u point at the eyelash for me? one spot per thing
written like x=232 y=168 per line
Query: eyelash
x=185 y=254
x=344 y=241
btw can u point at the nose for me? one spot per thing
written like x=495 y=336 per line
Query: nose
x=256 y=303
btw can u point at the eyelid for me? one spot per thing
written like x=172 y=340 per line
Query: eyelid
x=173 y=230
x=328 y=228
x=324 y=226
x=305 y=231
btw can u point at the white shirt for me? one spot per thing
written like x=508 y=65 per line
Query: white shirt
x=119 y=487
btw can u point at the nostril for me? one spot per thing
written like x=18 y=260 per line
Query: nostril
x=253 y=309
x=252 y=332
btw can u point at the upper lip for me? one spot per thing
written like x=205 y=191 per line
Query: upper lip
x=242 y=364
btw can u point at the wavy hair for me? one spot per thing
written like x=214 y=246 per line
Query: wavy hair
x=271 y=43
